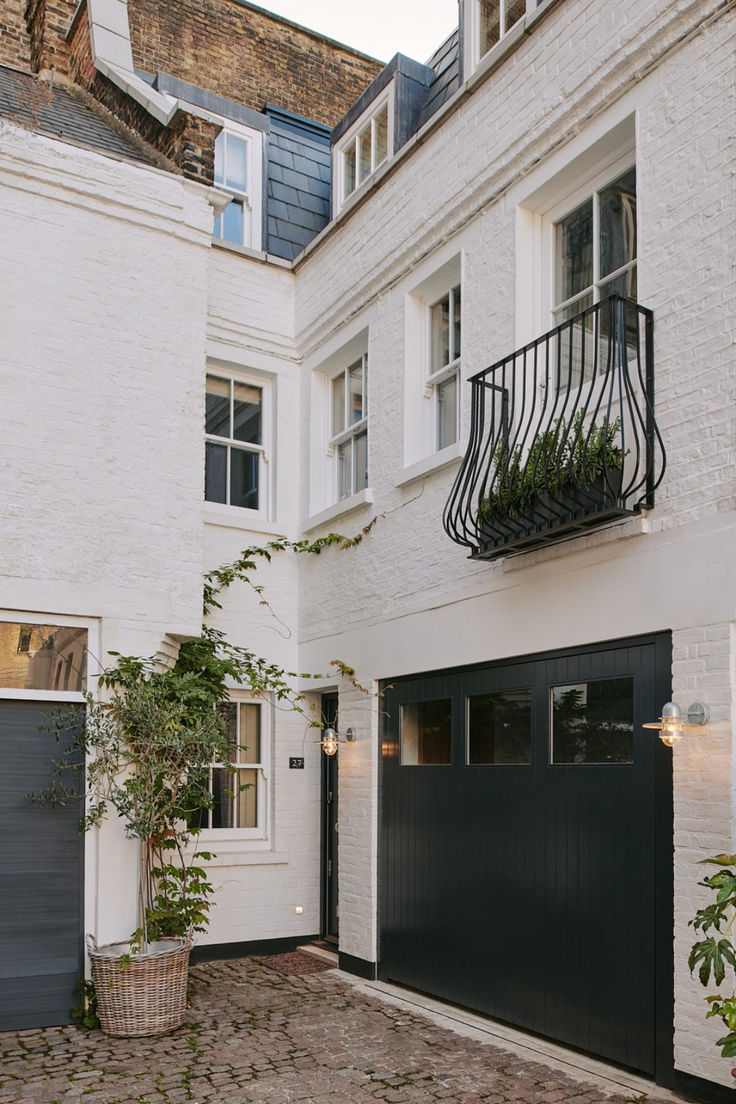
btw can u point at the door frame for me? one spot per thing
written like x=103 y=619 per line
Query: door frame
x=329 y=907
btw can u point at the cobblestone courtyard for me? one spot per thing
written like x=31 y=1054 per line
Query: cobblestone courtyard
x=255 y=1033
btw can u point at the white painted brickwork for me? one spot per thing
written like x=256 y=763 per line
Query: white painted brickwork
x=103 y=435
x=407 y=599
x=101 y=375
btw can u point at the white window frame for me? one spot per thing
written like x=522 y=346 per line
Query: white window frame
x=421 y=452
x=232 y=376
x=20 y=617
x=589 y=189
x=452 y=369
x=351 y=141
x=252 y=195
x=352 y=430
x=260 y=831
x=559 y=184
x=472 y=24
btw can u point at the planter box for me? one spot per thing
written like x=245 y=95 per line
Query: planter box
x=140 y=994
x=551 y=517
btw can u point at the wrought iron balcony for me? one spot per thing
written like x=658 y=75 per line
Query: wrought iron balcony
x=562 y=437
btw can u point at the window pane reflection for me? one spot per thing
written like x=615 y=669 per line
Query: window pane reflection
x=490 y=24
x=447 y=412
x=575 y=253
x=500 y=727
x=618 y=223
x=426 y=735
x=217 y=409
x=593 y=722
x=244 y=479
x=247 y=413
x=42 y=657
x=215 y=473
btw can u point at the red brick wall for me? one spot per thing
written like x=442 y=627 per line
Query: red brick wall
x=249 y=56
x=48 y=24
x=15 y=43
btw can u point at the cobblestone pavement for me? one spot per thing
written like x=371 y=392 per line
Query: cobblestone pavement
x=256 y=1035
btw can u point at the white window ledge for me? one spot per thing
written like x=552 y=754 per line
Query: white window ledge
x=234 y=517
x=234 y=853
x=344 y=506
x=429 y=464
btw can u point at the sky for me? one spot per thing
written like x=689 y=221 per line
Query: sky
x=380 y=28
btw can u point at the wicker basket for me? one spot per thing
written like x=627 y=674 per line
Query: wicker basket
x=140 y=994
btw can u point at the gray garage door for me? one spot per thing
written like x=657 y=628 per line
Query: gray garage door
x=41 y=918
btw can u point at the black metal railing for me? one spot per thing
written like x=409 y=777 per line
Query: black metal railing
x=562 y=435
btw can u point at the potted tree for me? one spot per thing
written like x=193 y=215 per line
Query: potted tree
x=148 y=748
x=146 y=752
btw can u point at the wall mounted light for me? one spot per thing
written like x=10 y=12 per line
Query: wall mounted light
x=331 y=740
x=671 y=724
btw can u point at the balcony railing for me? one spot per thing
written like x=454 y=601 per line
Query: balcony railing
x=562 y=437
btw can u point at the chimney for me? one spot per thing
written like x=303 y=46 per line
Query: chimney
x=48 y=24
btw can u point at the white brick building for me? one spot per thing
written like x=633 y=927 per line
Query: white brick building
x=510 y=838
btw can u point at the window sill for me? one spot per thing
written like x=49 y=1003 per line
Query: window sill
x=248 y=251
x=231 y=852
x=428 y=465
x=233 y=517
x=344 y=506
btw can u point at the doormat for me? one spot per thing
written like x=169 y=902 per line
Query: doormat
x=295 y=962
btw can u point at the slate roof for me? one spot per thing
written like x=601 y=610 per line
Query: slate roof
x=30 y=103
x=446 y=63
x=298 y=176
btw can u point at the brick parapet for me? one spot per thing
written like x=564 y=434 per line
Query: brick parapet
x=245 y=54
x=48 y=23
x=187 y=143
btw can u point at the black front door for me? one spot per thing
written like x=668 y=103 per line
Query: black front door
x=527 y=845
x=41 y=918
x=330 y=923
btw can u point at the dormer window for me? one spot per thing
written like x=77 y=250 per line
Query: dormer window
x=365 y=147
x=497 y=17
x=238 y=157
x=488 y=22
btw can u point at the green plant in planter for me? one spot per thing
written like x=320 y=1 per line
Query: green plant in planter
x=149 y=744
x=559 y=459
x=715 y=954
x=148 y=747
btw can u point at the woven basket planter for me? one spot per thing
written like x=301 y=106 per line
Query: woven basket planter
x=140 y=994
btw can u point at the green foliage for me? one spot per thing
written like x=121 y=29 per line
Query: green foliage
x=85 y=1013
x=714 y=954
x=145 y=750
x=559 y=459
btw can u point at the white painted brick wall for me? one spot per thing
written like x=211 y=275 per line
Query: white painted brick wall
x=407 y=599
x=703 y=668
x=101 y=349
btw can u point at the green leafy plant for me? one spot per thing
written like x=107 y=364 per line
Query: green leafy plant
x=714 y=955
x=560 y=458
x=146 y=749
x=85 y=1013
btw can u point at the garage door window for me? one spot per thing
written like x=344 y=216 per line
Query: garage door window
x=593 y=722
x=426 y=736
x=500 y=727
x=42 y=657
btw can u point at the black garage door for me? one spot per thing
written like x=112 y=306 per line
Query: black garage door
x=527 y=845
x=41 y=918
